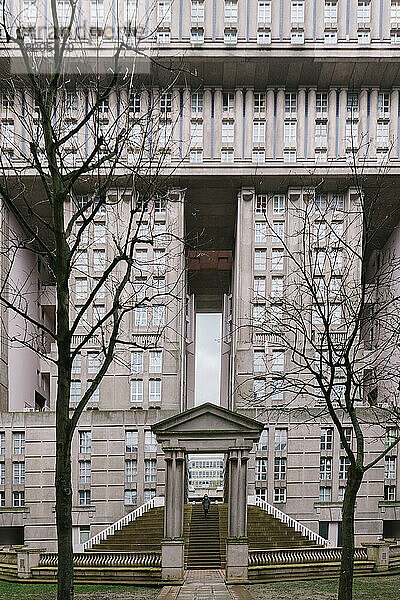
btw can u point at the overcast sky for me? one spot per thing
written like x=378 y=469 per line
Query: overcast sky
x=208 y=358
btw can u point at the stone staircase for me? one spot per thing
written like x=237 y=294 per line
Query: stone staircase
x=204 y=542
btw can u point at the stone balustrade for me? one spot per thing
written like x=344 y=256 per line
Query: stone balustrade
x=262 y=558
x=106 y=559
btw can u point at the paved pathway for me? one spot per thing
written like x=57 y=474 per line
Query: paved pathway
x=205 y=585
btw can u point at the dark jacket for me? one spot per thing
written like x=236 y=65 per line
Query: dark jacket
x=206 y=503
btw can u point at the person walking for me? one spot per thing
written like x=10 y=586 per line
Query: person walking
x=206 y=505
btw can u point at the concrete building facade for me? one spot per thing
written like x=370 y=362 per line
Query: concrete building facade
x=281 y=102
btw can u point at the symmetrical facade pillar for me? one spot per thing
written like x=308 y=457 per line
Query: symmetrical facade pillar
x=172 y=547
x=237 y=548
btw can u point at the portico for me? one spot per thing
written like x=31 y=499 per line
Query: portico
x=212 y=429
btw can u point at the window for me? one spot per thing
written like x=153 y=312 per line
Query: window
x=258 y=131
x=278 y=205
x=2 y=442
x=384 y=102
x=258 y=156
x=289 y=156
x=136 y=390
x=2 y=473
x=197 y=11
x=325 y=468
x=131 y=470
x=84 y=497
x=164 y=11
x=150 y=442
x=19 y=499
x=19 y=442
x=84 y=471
x=99 y=260
x=348 y=433
x=75 y=392
x=277 y=286
x=364 y=37
x=196 y=132
x=395 y=11
x=277 y=260
x=99 y=233
x=320 y=203
x=279 y=495
x=2 y=499
x=390 y=467
x=29 y=12
x=228 y=101
x=363 y=12
x=196 y=156
x=18 y=473
x=263 y=36
x=395 y=37
x=259 y=286
x=260 y=232
x=130 y=497
x=84 y=533
x=259 y=361
x=280 y=439
x=231 y=11
x=140 y=316
x=131 y=441
x=381 y=156
x=159 y=258
x=197 y=35
x=290 y=133
x=166 y=102
x=261 y=204
x=155 y=365
x=96 y=12
x=150 y=470
x=158 y=314
x=297 y=36
x=390 y=493
x=85 y=442
x=149 y=494
x=197 y=100
x=258 y=314
x=135 y=102
x=155 y=390
x=264 y=11
x=93 y=362
x=260 y=260
x=278 y=360
x=352 y=102
x=321 y=102
x=63 y=12
x=325 y=494
x=228 y=128
x=344 y=464
x=297 y=11
x=326 y=438
x=227 y=156
x=330 y=13
x=382 y=133
x=81 y=288
x=280 y=469
x=321 y=134
x=390 y=436
x=262 y=444
x=259 y=102
x=261 y=469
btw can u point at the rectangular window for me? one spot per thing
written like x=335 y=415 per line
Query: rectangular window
x=81 y=262
x=136 y=362
x=159 y=315
x=155 y=390
x=29 y=12
x=384 y=102
x=263 y=37
x=277 y=287
x=258 y=132
x=321 y=134
x=352 y=102
x=150 y=442
x=325 y=494
x=81 y=288
x=227 y=156
x=330 y=12
x=130 y=497
x=390 y=467
x=164 y=11
x=2 y=499
x=363 y=11
x=277 y=260
x=264 y=11
x=280 y=469
x=131 y=470
x=2 y=473
x=290 y=133
x=99 y=232
x=320 y=203
x=279 y=495
x=228 y=101
x=258 y=314
x=231 y=11
x=141 y=316
x=326 y=438
x=196 y=132
x=258 y=156
x=96 y=12
x=261 y=469
x=197 y=100
x=19 y=499
x=84 y=497
x=85 y=470
x=135 y=102
x=228 y=128
x=395 y=11
x=325 y=468
x=259 y=286
x=155 y=363
x=364 y=37
x=2 y=442
x=391 y=436
x=259 y=102
x=19 y=442
x=382 y=133
x=149 y=494
x=278 y=205
x=278 y=360
x=262 y=444
x=260 y=260
x=75 y=392
x=99 y=260
x=390 y=493
x=289 y=156
x=321 y=102
x=196 y=156
x=260 y=232
x=259 y=365
x=280 y=439
x=344 y=464
x=166 y=102
x=297 y=36
x=85 y=442
x=297 y=11
x=277 y=390
x=261 y=204
x=348 y=434
x=18 y=473
x=131 y=441
x=93 y=362
x=197 y=11
x=136 y=390
x=150 y=470
x=197 y=35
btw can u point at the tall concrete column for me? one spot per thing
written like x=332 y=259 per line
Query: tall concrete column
x=280 y=117
x=172 y=547
x=237 y=548
x=186 y=133
x=342 y=123
x=312 y=96
x=332 y=123
x=207 y=123
x=248 y=130
x=301 y=120
x=269 y=141
x=394 y=122
x=238 y=124
x=217 y=123
x=373 y=117
x=362 y=127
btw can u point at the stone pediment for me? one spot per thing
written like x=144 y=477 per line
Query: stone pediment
x=208 y=418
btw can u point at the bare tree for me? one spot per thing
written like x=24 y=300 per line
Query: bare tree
x=85 y=161
x=330 y=323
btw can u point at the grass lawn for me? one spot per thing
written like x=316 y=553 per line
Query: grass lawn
x=365 y=588
x=43 y=591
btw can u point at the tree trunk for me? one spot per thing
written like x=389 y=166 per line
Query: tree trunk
x=65 y=577
x=345 y=591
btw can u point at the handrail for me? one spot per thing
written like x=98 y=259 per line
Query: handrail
x=111 y=529
x=284 y=518
x=284 y=556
